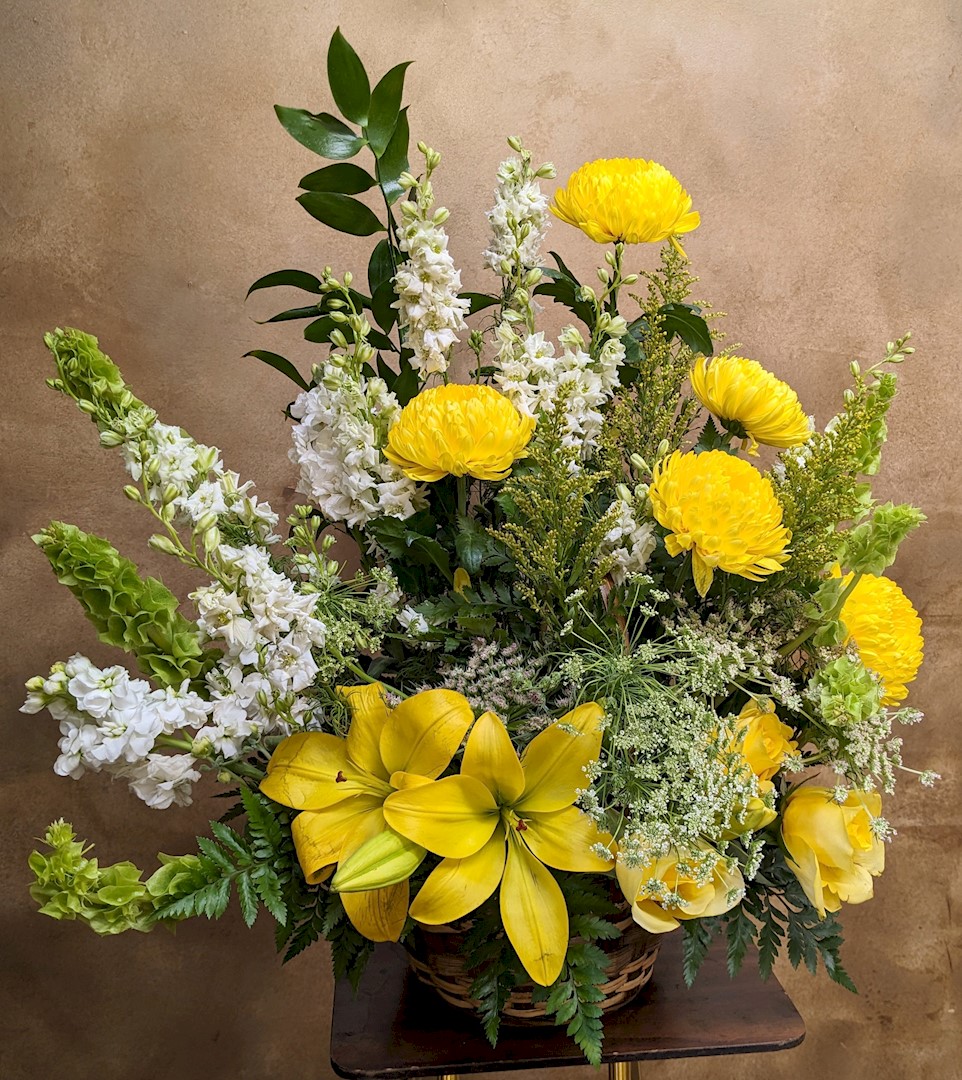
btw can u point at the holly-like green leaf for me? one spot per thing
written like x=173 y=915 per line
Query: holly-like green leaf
x=689 y=326
x=281 y=364
x=322 y=133
x=343 y=177
x=341 y=212
x=385 y=107
x=349 y=82
x=296 y=279
x=394 y=160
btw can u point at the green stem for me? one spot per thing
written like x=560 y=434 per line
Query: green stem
x=175 y=744
x=357 y=670
x=787 y=650
x=462 y=496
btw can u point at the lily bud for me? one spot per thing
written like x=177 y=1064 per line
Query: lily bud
x=383 y=860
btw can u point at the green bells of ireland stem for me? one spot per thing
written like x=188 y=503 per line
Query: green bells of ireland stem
x=137 y=614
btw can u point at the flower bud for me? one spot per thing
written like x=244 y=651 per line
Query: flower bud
x=533 y=276
x=206 y=522
x=854 y=369
x=441 y=215
x=212 y=538
x=335 y=304
x=602 y=275
x=202 y=748
x=505 y=267
x=338 y=317
x=337 y=337
x=630 y=279
x=133 y=493
x=611 y=259
x=516 y=144
x=110 y=439
x=587 y=294
x=547 y=171
x=86 y=406
x=348 y=278
x=170 y=492
x=639 y=463
x=623 y=492
x=34 y=685
x=164 y=544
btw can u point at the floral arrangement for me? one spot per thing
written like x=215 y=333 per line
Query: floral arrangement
x=594 y=648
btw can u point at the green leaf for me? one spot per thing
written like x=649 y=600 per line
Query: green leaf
x=471 y=543
x=309 y=312
x=407 y=384
x=394 y=160
x=322 y=133
x=385 y=107
x=479 y=301
x=348 y=79
x=384 y=296
x=380 y=268
x=229 y=839
x=268 y=888
x=247 y=898
x=561 y=266
x=691 y=328
x=319 y=331
x=565 y=292
x=297 y=279
x=281 y=364
x=341 y=212
x=343 y=177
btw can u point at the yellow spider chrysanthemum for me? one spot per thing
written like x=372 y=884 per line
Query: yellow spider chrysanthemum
x=628 y=200
x=742 y=391
x=724 y=511
x=887 y=632
x=458 y=430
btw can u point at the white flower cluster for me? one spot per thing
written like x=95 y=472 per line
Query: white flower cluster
x=534 y=377
x=111 y=722
x=519 y=217
x=629 y=542
x=343 y=423
x=190 y=478
x=427 y=284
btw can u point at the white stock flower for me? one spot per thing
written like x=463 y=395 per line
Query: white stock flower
x=631 y=544
x=413 y=621
x=534 y=378
x=343 y=425
x=427 y=283
x=519 y=218
x=164 y=780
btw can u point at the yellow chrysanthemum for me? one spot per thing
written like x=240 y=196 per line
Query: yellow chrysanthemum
x=742 y=391
x=626 y=199
x=724 y=511
x=887 y=632
x=458 y=430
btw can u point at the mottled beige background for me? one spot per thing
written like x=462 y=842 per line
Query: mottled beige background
x=146 y=183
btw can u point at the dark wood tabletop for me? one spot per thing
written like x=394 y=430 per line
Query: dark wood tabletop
x=395 y=1027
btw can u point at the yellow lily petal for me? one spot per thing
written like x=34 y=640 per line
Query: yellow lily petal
x=319 y=835
x=534 y=913
x=564 y=838
x=383 y=860
x=369 y=712
x=555 y=760
x=304 y=769
x=453 y=817
x=422 y=734
x=490 y=757
x=459 y=886
x=401 y=780
x=380 y=913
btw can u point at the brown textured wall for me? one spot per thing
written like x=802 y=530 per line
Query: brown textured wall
x=145 y=183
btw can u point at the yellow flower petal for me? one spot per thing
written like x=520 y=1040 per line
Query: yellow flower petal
x=319 y=835
x=304 y=769
x=703 y=573
x=534 y=913
x=369 y=713
x=453 y=817
x=564 y=839
x=423 y=732
x=490 y=757
x=379 y=914
x=459 y=886
x=554 y=761
x=653 y=918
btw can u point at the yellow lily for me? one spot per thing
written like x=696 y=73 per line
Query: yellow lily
x=501 y=821
x=340 y=786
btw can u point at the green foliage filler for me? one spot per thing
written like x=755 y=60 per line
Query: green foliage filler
x=136 y=614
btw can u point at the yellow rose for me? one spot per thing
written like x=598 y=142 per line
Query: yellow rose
x=766 y=739
x=763 y=741
x=833 y=851
x=668 y=889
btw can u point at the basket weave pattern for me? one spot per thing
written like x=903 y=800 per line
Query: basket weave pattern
x=438 y=958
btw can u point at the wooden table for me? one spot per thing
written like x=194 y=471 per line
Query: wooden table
x=396 y=1028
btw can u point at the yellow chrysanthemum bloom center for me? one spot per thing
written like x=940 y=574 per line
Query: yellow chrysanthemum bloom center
x=628 y=200
x=724 y=511
x=740 y=390
x=458 y=430
x=887 y=632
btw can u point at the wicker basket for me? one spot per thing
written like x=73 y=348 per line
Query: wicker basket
x=437 y=956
